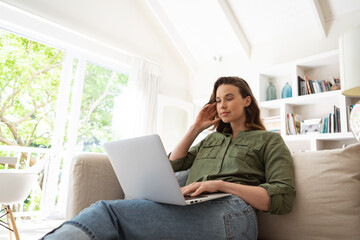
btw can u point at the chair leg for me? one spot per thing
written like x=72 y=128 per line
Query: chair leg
x=9 y=224
x=13 y=224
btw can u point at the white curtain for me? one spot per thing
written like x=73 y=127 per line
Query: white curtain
x=142 y=100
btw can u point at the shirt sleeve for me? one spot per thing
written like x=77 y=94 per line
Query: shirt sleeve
x=279 y=173
x=185 y=163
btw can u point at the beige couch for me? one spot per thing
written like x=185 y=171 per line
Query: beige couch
x=327 y=205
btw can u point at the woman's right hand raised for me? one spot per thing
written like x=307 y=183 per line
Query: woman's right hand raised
x=206 y=117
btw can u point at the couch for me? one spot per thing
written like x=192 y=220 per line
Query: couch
x=327 y=204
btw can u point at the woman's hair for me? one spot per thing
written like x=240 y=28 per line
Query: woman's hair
x=252 y=112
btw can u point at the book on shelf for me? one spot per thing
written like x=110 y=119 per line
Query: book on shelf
x=332 y=122
x=337 y=119
x=301 y=86
x=272 y=124
x=308 y=86
x=324 y=124
x=293 y=123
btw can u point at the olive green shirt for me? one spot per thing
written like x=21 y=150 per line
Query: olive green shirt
x=253 y=157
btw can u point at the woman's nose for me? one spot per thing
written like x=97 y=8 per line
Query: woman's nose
x=223 y=104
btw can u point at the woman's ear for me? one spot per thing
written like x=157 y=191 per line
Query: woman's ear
x=248 y=101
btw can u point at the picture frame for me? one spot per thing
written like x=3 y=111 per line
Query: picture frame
x=312 y=125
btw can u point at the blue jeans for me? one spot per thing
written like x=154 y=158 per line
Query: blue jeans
x=224 y=218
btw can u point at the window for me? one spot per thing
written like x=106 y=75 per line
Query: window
x=29 y=83
x=34 y=81
x=102 y=86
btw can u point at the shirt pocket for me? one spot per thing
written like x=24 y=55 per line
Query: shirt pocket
x=210 y=149
x=245 y=150
x=239 y=151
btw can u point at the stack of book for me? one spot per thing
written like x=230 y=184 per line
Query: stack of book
x=308 y=86
x=272 y=124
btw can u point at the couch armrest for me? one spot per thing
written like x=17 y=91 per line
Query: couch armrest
x=92 y=178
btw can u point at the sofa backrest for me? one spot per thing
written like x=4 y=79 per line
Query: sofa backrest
x=327 y=204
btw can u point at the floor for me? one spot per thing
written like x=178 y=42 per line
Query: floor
x=31 y=229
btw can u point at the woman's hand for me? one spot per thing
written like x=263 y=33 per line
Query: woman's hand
x=256 y=196
x=206 y=117
x=197 y=188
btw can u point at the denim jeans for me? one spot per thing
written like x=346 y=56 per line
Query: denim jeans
x=224 y=218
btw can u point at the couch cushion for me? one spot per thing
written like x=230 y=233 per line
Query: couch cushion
x=327 y=204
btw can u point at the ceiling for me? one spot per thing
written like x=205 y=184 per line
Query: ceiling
x=204 y=30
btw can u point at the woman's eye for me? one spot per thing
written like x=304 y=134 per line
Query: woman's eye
x=228 y=99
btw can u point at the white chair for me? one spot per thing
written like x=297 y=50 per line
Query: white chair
x=15 y=186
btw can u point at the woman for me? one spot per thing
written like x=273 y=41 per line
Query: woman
x=240 y=158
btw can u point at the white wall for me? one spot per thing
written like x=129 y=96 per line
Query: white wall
x=304 y=43
x=202 y=81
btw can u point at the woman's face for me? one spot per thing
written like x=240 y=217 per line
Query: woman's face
x=231 y=105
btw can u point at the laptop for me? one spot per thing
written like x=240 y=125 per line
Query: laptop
x=144 y=171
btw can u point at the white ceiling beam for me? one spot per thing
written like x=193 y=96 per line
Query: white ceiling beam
x=173 y=34
x=229 y=14
x=318 y=13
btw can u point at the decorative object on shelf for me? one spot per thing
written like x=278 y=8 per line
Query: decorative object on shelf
x=355 y=121
x=336 y=85
x=312 y=125
x=350 y=72
x=286 y=91
x=270 y=92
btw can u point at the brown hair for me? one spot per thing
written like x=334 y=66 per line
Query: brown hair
x=252 y=112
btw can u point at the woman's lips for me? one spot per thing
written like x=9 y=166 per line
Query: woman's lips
x=224 y=114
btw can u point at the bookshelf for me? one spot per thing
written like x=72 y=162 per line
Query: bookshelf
x=318 y=105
